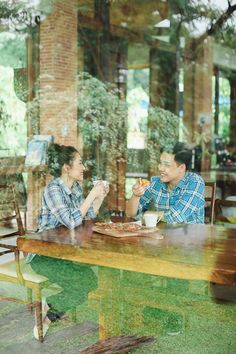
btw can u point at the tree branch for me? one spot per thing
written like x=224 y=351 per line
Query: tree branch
x=217 y=25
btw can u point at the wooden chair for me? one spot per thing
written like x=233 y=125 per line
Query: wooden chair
x=10 y=218
x=28 y=288
x=219 y=214
x=210 y=195
x=18 y=271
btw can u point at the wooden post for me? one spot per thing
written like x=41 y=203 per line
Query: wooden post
x=232 y=109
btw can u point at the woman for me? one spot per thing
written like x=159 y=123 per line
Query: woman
x=63 y=204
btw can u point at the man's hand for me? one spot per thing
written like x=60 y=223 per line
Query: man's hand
x=137 y=189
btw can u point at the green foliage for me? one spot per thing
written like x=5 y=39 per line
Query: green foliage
x=12 y=132
x=9 y=8
x=13 y=50
x=13 y=126
x=163 y=131
x=4 y=117
x=102 y=118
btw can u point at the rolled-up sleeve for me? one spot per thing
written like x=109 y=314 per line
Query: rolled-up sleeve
x=144 y=203
x=90 y=213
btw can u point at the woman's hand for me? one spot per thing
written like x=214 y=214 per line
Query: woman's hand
x=100 y=190
x=137 y=189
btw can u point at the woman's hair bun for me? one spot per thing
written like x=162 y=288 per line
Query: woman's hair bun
x=58 y=155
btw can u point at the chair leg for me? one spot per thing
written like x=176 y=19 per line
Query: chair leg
x=25 y=220
x=74 y=314
x=39 y=320
x=30 y=299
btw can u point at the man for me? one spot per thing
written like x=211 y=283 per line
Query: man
x=177 y=195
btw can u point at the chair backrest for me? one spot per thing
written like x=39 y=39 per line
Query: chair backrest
x=220 y=205
x=210 y=196
x=9 y=212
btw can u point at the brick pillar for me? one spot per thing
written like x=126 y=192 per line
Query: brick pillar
x=58 y=71
x=58 y=89
x=198 y=71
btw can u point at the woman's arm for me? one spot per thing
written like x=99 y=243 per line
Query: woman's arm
x=97 y=195
x=67 y=215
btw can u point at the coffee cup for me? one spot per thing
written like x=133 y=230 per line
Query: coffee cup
x=151 y=219
x=105 y=183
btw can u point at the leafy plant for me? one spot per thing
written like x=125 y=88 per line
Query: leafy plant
x=163 y=131
x=102 y=118
x=12 y=132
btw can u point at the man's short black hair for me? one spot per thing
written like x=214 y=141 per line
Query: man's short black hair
x=182 y=152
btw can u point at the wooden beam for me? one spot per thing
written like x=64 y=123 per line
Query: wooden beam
x=96 y=24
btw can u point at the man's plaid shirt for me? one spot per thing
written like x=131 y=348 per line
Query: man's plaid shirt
x=60 y=206
x=185 y=204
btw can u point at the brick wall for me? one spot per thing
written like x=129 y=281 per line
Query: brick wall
x=58 y=70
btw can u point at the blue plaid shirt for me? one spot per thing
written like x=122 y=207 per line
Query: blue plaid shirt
x=60 y=206
x=185 y=204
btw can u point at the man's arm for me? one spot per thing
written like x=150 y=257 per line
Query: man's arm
x=133 y=203
x=132 y=206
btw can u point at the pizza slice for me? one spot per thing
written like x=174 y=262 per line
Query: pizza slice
x=144 y=182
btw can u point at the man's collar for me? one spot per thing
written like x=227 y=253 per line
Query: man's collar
x=181 y=183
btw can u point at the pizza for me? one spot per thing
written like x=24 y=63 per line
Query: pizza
x=144 y=182
x=119 y=226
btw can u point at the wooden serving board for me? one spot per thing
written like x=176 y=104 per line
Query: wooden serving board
x=144 y=231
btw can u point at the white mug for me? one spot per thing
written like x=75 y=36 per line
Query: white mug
x=105 y=183
x=150 y=219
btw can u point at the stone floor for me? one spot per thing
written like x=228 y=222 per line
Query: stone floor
x=16 y=333
x=17 y=322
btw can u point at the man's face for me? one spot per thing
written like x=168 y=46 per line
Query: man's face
x=170 y=171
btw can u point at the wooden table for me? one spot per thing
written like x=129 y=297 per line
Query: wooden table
x=194 y=252
x=165 y=288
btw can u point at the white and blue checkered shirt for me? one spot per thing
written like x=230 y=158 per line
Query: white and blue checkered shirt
x=60 y=206
x=185 y=204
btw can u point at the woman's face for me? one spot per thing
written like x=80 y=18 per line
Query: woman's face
x=76 y=170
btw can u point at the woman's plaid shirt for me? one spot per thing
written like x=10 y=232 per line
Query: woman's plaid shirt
x=60 y=206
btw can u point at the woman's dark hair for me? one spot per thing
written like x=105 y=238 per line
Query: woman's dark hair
x=182 y=152
x=58 y=155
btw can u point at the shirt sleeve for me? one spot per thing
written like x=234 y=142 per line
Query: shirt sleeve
x=190 y=201
x=144 y=203
x=90 y=213
x=70 y=217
